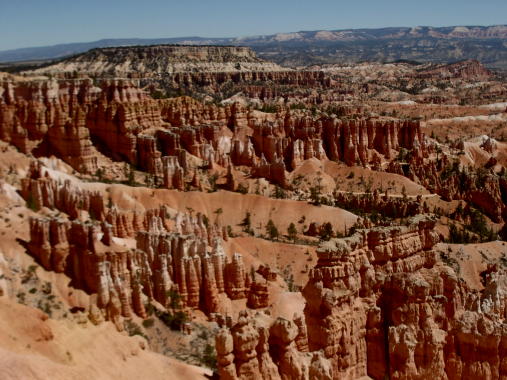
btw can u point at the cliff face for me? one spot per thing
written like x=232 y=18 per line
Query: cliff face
x=73 y=119
x=187 y=262
x=485 y=190
x=181 y=256
x=465 y=70
x=379 y=304
x=61 y=118
x=156 y=60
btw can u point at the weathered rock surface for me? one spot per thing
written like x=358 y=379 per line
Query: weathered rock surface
x=483 y=189
x=163 y=262
x=378 y=305
x=74 y=119
x=163 y=59
x=62 y=118
x=179 y=256
x=393 y=207
x=253 y=349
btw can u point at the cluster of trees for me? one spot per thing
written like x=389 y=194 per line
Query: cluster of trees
x=476 y=230
x=272 y=232
x=325 y=232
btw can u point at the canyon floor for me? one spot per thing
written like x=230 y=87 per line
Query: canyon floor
x=197 y=212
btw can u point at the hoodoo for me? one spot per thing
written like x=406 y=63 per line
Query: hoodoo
x=198 y=211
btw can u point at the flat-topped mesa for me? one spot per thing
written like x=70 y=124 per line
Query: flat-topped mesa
x=153 y=61
x=170 y=68
x=466 y=70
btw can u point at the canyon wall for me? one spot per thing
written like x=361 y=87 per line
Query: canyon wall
x=481 y=188
x=380 y=304
x=76 y=119
x=177 y=256
x=63 y=117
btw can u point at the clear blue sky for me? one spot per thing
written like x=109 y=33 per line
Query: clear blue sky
x=26 y=23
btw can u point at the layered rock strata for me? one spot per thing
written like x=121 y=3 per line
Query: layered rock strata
x=165 y=264
x=156 y=60
x=482 y=188
x=393 y=207
x=178 y=255
x=74 y=119
x=267 y=350
x=380 y=304
x=64 y=117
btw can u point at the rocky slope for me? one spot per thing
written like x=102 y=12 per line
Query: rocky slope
x=341 y=222
x=380 y=304
x=149 y=61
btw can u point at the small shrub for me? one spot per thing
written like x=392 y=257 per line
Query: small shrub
x=209 y=357
x=133 y=329
x=173 y=320
x=242 y=189
x=30 y=203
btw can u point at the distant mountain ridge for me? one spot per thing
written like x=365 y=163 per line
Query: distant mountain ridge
x=430 y=44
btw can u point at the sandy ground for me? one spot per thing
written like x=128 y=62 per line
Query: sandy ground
x=297 y=258
x=472 y=259
x=34 y=347
x=234 y=207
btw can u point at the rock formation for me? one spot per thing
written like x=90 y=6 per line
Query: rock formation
x=393 y=207
x=381 y=303
x=164 y=263
x=481 y=188
x=148 y=61
x=172 y=138
x=62 y=117
x=253 y=349
x=258 y=295
x=378 y=305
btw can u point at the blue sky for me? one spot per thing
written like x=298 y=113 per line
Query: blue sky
x=26 y=23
